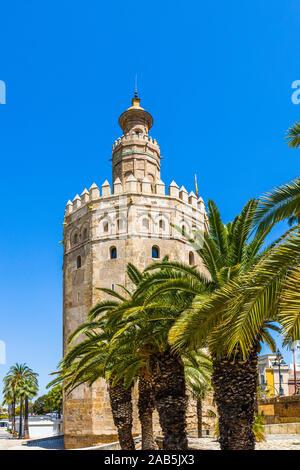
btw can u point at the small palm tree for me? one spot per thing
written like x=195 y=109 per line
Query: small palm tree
x=21 y=381
x=27 y=389
x=198 y=370
x=9 y=398
x=293 y=135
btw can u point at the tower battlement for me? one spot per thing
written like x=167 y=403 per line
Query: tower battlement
x=137 y=187
x=138 y=138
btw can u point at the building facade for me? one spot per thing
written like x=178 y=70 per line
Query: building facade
x=272 y=383
x=134 y=220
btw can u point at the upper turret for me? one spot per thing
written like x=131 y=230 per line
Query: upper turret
x=135 y=118
x=135 y=153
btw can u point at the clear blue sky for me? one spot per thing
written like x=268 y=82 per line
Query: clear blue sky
x=216 y=77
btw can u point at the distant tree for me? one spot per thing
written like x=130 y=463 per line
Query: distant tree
x=3 y=412
x=40 y=407
x=54 y=399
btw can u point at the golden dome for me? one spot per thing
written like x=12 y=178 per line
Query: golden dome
x=135 y=115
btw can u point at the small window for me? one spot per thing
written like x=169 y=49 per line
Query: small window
x=105 y=227
x=85 y=233
x=75 y=239
x=191 y=258
x=112 y=287
x=262 y=379
x=155 y=252
x=146 y=224
x=78 y=262
x=113 y=252
x=183 y=230
x=161 y=224
x=119 y=225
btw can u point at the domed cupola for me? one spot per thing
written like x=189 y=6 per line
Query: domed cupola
x=135 y=118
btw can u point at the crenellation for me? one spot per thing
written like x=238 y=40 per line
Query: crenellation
x=174 y=190
x=85 y=196
x=76 y=202
x=131 y=184
x=160 y=188
x=69 y=207
x=200 y=204
x=193 y=199
x=146 y=186
x=117 y=186
x=183 y=194
x=139 y=139
x=106 y=189
x=94 y=192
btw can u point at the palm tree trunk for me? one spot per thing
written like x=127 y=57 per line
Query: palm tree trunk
x=13 y=416
x=234 y=382
x=146 y=408
x=199 y=417
x=121 y=407
x=170 y=399
x=20 y=419
x=26 y=426
x=9 y=412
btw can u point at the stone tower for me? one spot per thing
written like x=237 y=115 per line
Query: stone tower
x=132 y=221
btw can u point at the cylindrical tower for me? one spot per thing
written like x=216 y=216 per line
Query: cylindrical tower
x=132 y=221
x=136 y=153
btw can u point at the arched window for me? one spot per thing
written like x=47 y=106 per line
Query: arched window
x=191 y=258
x=75 y=239
x=105 y=227
x=155 y=252
x=119 y=225
x=85 y=233
x=183 y=229
x=113 y=252
x=78 y=262
x=161 y=224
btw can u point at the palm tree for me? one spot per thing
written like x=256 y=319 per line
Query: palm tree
x=96 y=356
x=198 y=370
x=279 y=204
x=147 y=328
x=28 y=388
x=90 y=360
x=9 y=398
x=228 y=252
x=21 y=380
x=293 y=135
x=151 y=360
